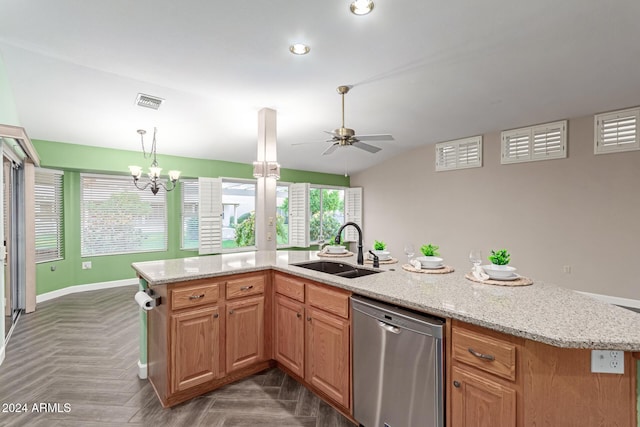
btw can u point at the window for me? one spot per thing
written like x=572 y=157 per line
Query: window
x=225 y=211
x=238 y=214
x=282 y=214
x=617 y=131
x=117 y=218
x=327 y=213
x=189 y=215
x=542 y=142
x=459 y=154
x=49 y=226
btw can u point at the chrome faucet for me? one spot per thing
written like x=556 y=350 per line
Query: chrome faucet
x=337 y=240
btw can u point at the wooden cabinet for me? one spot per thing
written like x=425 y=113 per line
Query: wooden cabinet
x=312 y=336
x=327 y=354
x=195 y=348
x=245 y=332
x=207 y=333
x=289 y=334
x=480 y=402
x=485 y=382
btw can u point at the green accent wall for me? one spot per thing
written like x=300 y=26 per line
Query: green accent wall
x=75 y=159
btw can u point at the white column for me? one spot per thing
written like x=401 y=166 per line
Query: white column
x=266 y=187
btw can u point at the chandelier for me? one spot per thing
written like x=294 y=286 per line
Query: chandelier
x=154 y=171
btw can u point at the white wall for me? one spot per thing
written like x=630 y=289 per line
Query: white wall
x=583 y=211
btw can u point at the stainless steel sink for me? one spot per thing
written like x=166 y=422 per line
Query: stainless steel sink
x=337 y=269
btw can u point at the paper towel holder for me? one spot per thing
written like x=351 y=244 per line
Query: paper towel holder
x=156 y=298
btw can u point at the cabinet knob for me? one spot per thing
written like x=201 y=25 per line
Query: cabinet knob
x=215 y=316
x=299 y=315
x=309 y=319
x=456 y=384
x=230 y=311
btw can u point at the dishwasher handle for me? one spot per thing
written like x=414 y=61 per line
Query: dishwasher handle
x=389 y=328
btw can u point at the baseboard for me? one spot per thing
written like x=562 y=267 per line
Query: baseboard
x=142 y=370
x=623 y=302
x=84 y=288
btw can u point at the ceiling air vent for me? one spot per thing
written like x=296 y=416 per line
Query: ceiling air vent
x=149 y=101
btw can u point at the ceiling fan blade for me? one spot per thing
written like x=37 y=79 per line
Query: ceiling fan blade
x=375 y=137
x=365 y=147
x=331 y=149
x=306 y=143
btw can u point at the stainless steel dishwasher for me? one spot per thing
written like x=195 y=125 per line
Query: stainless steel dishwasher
x=397 y=366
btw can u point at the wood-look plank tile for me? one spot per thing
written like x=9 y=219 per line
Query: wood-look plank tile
x=82 y=349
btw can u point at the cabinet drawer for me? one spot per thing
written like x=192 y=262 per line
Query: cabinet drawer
x=289 y=287
x=194 y=296
x=483 y=352
x=333 y=301
x=245 y=286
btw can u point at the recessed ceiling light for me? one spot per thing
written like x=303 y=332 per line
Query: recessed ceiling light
x=299 y=49
x=361 y=7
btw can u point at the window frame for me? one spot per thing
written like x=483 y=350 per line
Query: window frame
x=42 y=256
x=183 y=229
x=530 y=133
x=127 y=187
x=598 y=122
x=455 y=146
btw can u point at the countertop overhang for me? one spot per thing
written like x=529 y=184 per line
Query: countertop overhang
x=541 y=312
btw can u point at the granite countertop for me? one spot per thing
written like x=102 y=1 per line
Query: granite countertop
x=541 y=312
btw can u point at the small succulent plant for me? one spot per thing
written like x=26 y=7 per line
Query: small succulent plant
x=429 y=250
x=379 y=245
x=501 y=257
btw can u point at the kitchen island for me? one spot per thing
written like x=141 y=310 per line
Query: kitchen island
x=531 y=320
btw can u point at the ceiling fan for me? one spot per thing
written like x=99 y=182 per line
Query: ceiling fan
x=343 y=136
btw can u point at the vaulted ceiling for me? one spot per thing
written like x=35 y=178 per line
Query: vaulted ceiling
x=425 y=71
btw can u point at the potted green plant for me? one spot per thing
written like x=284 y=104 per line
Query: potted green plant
x=380 y=250
x=430 y=258
x=499 y=269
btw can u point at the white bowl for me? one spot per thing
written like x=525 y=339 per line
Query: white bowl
x=335 y=249
x=430 y=261
x=499 y=271
x=382 y=255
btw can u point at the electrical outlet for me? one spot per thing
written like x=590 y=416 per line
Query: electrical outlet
x=566 y=269
x=86 y=265
x=269 y=236
x=607 y=361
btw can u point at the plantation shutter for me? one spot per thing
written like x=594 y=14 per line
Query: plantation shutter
x=117 y=218
x=209 y=215
x=549 y=141
x=459 y=154
x=299 y=215
x=515 y=146
x=189 y=189
x=617 y=131
x=542 y=142
x=352 y=212
x=49 y=225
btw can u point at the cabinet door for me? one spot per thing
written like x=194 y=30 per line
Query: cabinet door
x=477 y=401
x=245 y=332
x=289 y=334
x=327 y=354
x=195 y=348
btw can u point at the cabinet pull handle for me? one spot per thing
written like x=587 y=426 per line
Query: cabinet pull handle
x=299 y=315
x=246 y=288
x=215 y=316
x=230 y=311
x=309 y=319
x=456 y=384
x=196 y=296
x=482 y=356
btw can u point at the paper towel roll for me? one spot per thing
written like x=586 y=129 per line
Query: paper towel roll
x=144 y=300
